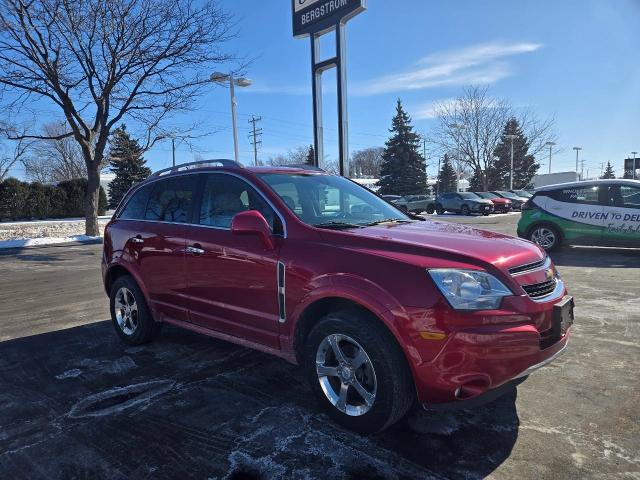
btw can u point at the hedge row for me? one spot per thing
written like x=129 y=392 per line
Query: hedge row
x=22 y=200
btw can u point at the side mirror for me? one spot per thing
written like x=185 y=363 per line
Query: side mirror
x=252 y=222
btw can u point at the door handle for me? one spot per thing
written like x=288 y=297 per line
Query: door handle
x=137 y=239
x=194 y=249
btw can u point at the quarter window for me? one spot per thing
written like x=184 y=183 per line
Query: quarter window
x=171 y=199
x=587 y=195
x=137 y=204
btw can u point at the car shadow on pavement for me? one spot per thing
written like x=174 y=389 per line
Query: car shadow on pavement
x=603 y=257
x=79 y=403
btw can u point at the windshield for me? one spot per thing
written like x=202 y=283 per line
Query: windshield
x=488 y=195
x=331 y=201
x=522 y=193
x=507 y=194
x=469 y=195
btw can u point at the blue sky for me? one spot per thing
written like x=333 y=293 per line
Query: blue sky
x=575 y=60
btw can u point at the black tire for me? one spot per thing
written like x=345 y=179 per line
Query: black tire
x=395 y=392
x=486 y=214
x=146 y=329
x=536 y=232
x=439 y=209
x=464 y=210
x=431 y=209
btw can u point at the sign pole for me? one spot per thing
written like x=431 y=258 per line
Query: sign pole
x=343 y=122
x=316 y=85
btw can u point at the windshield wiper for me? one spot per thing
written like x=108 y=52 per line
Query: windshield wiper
x=388 y=220
x=338 y=225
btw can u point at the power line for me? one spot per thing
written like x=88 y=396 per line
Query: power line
x=255 y=133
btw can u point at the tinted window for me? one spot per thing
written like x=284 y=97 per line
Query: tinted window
x=587 y=195
x=224 y=196
x=630 y=196
x=171 y=199
x=469 y=196
x=137 y=204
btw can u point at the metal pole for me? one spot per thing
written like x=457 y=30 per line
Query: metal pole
x=173 y=150
x=343 y=123
x=316 y=84
x=511 y=173
x=438 y=179
x=633 y=166
x=233 y=118
x=550 y=147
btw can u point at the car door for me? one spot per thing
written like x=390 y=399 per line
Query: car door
x=157 y=245
x=581 y=212
x=232 y=279
x=622 y=215
x=447 y=202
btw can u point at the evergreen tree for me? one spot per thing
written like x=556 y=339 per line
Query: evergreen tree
x=608 y=172
x=311 y=156
x=524 y=164
x=476 y=182
x=126 y=161
x=403 y=170
x=447 y=181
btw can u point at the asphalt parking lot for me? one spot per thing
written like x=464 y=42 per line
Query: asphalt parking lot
x=77 y=403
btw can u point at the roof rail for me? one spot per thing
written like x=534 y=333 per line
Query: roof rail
x=218 y=162
x=304 y=166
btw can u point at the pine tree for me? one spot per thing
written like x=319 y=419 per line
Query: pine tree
x=524 y=164
x=403 y=170
x=447 y=181
x=608 y=172
x=126 y=161
x=311 y=156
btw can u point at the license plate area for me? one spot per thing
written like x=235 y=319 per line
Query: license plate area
x=563 y=315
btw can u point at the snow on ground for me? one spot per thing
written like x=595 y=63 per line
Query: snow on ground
x=47 y=232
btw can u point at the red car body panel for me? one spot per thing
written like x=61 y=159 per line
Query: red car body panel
x=231 y=290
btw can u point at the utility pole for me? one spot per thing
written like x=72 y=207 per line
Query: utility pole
x=633 y=165
x=173 y=150
x=550 y=145
x=582 y=162
x=577 y=149
x=512 y=138
x=255 y=132
x=601 y=168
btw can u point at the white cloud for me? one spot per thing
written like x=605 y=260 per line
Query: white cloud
x=429 y=110
x=477 y=64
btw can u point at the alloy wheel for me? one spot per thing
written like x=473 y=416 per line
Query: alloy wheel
x=346 y=374
x=126 y=310
x=543 y=236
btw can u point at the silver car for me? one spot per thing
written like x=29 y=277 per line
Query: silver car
x=465 y=203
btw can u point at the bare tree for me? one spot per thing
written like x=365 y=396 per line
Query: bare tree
x=99 y=61
x=55 y=159
x=12 y=153
x=470 y=128
x=367 y=162
x=292 y=157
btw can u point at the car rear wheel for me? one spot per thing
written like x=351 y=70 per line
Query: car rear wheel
x=465 y=210
x=546 y=236
x=430 y=209
x=357 y=371
x=130 y=314
x=439 y=209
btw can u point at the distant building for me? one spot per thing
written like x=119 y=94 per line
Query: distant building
x=105 y=180
x=544 y=179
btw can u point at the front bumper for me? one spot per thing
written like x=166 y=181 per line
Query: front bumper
x=481 y=208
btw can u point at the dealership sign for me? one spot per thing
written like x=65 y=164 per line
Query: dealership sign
x=311 y=16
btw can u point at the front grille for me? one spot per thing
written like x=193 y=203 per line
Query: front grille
x=527 y=267
x=538 y=290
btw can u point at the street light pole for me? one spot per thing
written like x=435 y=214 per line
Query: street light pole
x=577 y=149
x=457 y=127
x=633 y=165
x=240 y=82
x=512 y=138
x=550 y=145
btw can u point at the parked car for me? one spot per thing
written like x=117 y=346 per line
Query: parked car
x=522 y=193
x=391 y=198
x=602 y=212
x=416 y=203
x=516 y=201
x=380 y=310
x=501 y=205
x=465 y=203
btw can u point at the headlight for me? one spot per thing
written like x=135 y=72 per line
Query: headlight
x=469 y=289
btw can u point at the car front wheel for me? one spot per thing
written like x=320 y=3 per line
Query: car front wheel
x=546 y=236
x=431 y=209
x=465 y=210
x=357 y=372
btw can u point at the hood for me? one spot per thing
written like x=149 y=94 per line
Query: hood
x=479 y=246
x=501 y=200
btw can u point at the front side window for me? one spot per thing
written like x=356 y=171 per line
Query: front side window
x=328 y=200
x=224 y=196
x=171 y=199
x=630 y=196
x=468 y=196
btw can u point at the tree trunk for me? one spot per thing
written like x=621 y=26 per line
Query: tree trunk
x=91 y=201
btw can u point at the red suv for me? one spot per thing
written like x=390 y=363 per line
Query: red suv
x=378 y=307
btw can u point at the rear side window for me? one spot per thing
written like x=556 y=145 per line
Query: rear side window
x=171 y=199
x=137 y=204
